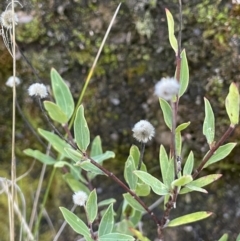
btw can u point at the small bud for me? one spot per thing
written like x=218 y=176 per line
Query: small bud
x=80 y=198
x=10 y=81
x=38 y=90
x=143 y=131
x=166 y=88
x=7 y=18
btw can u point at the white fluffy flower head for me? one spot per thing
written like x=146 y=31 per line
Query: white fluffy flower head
x=166 y=88
x=80 y=198
x=38 y=90
x=143 y=131
x=7 y=19
x=10 y=81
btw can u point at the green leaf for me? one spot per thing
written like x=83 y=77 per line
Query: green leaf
x=55 y=112
x=135 y=153
x=142 y=189
x=220 y=153
x=238 y=237
x=157 y=186
x=62 y=94
x=178 y=141
x=209 y=123
x=102 y=157
x=128 y=173
x=76 y=223
x=170 y=173
x=181 y=181
x=106 y=202
x=81 y=131
x=116 y=236
x=91 y=206
x=189 y=218
x=184 y=74
x=74 y=184
x=124 y=226
x=224 y=237
x=132 y=202
x=201 y=182
x=139 y=235
x=172 y=38
x=107 y=222
x=167 y=112
x=191 y=188
x=96 y=148
x=45 y=159
x=57 y=143
x=74 y=154
x=89 y=167
x=164 y=162
x=183 y=126
x=188 y=167
x=232 y=104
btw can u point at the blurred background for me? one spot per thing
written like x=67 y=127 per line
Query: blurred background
x=66 y=35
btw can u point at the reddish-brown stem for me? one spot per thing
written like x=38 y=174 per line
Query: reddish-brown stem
x=212 y=150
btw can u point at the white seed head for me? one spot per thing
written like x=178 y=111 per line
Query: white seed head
x=80 y=198
x=166 y=88
x=7 y=19
x=38 y=90
x=10 y=81
x=143 y=131
x=235 y=1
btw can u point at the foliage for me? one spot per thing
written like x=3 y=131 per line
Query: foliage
x=86 y=163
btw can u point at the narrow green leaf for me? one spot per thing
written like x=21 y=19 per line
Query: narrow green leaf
x=62 y=94
x=55 y=112
x=117 y=237
x=103 y=157
x=135 y=153
x=178 y=141
x=167 y=112
x=57 y=143
x=128 y=173
x=91 y=206
x=74 y=184
x=209 y=123
x=184 y=74
x=107 y=222
x=189 y=218
x=132 y=202
x=74 y=154
x=96 y=148
x=106 y=202
x=164 y=162
x=81 y=131
x=172 y=38
x=76 y=223
x=183 y=126
x=157 y=186
x=189 y=188
x=188 y=167
x=45 y=159
x=89 y=167
x=232 y=104
x=181 y=181
x=201 y=182
x=139 y=235
x=238 y=237
x=224 y=237
x=220 y=153
x=170 y=174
